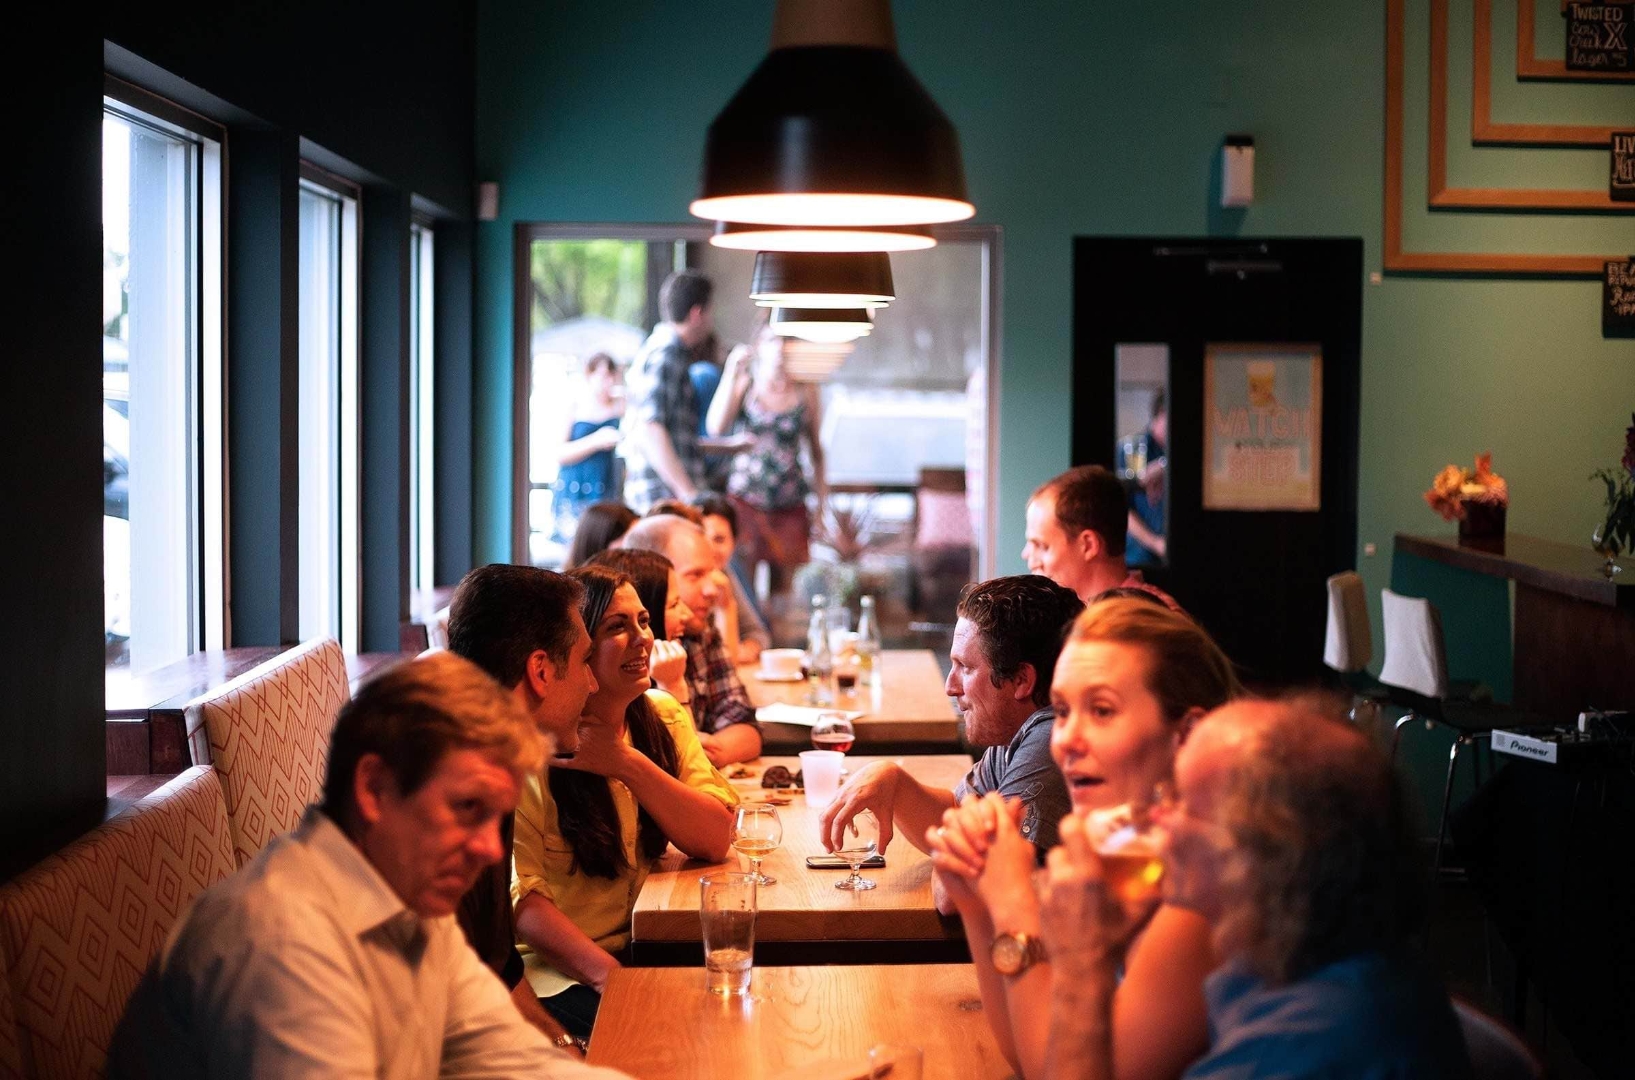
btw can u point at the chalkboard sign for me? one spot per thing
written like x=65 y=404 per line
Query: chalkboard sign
x=1598 y=36
x=1623 y=166
x=1618 y=299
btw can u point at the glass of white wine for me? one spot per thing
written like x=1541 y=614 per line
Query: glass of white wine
x=861 y=839
x=757 y=832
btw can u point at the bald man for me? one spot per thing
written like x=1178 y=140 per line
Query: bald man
x=1292 y=837
x=720 y=704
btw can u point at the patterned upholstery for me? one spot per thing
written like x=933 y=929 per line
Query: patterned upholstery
x=80 y=928
x=268 y=735
x=11 y=1060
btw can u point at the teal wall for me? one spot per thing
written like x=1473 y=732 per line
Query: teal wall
x=1081 y=118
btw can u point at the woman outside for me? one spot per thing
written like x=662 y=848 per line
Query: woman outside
x=587 y=473
x=1131 y=681
x=768 y=486
x=585 y=843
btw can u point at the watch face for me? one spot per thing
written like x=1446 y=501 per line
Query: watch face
x=1006 y=954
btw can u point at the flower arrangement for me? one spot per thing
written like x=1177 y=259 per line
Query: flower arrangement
x=1616 y=533
x=1456 y=493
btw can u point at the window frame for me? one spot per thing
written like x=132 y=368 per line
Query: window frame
x=208 y=471
x=349 y=385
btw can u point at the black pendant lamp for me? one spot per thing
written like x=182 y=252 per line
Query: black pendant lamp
x=832 y=129
x=739 y=236
x=813 y=279
x=823 y=325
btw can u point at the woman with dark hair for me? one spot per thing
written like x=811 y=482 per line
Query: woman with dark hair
x=656 y=585
x=584 y=844
x=600 y=527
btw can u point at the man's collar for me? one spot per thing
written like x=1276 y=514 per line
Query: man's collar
x=363 y=898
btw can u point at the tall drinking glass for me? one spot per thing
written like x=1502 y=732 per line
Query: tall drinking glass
x=1130 y=846
x=726 y=911
x=820 y=770
x=861 y=839
x=898 y=1062
x=757 y=832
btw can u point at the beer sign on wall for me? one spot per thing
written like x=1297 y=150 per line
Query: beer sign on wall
x=1598 y=36
x=1623 y=166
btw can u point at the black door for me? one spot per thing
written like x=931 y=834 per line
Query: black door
x=1255 y=578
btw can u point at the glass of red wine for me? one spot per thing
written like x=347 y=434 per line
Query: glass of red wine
x=833 y=731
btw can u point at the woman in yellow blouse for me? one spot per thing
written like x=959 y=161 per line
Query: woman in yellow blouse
x=588 y=834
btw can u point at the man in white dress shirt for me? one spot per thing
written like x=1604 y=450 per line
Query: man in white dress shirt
x=334 y=952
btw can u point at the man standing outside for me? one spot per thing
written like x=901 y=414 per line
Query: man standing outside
x=1293 y=838
x=663 y=417
x=522 y=626
x=1076 y=532
x=720 y=705
x=1006 y=641
x=333 y=952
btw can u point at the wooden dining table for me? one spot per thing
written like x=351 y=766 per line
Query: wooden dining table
x=905 y=710
x=796 y=1023
x=804 y=905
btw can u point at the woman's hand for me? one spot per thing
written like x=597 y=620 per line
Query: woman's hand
x=600 y=752
x=668 y=665
x=1084 y=924
x=605 y=438
x=740 y=362
x=1006 y=881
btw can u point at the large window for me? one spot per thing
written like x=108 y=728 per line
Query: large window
x=161 y=383
x=907 y=432
x=328 y=435
x=422 y=522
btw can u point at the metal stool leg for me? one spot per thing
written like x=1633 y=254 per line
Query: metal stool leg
x=1447 y=800
x=1396 y=733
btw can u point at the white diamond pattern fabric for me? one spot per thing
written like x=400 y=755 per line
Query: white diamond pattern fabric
x=79 y=929
x=269 y=738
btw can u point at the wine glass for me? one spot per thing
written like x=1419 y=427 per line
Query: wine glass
x=757 y=832
x=862 y=839
x=833 y=731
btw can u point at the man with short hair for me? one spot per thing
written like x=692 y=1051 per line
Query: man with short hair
x=665 y=451
x=747 y=624
x=1292 y=836
x=1006 y=641
x=522 y=626
x=333 y=952
x=1076 y=531
x=720 y=705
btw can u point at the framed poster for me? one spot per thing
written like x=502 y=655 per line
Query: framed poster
x=1263 y=438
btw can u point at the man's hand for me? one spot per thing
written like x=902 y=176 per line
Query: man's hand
x=533 y=1012
x=873 y=788
x=712 y=746
x=1086 y=926
x=600 y=752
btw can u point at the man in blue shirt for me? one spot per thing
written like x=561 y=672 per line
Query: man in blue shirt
x=1291 y=836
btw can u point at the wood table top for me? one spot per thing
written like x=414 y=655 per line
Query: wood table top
x=907 y=706
x=1569 y=569
x=804 y=905
x=816 y=1023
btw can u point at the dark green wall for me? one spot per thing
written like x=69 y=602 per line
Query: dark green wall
x=1082 y=118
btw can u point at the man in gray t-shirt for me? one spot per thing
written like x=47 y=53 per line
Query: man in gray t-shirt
x=1006 y=641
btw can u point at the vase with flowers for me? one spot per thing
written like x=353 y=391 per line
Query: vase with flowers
x=1616 y=533
x=1476 y=499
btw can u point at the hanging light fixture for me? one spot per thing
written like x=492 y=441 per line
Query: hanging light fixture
x=823 y=325
x=815 y=362
x=738 y=236
x=822 y=279
x=832 y=129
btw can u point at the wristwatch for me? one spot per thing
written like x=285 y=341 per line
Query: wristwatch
x=1014 y=953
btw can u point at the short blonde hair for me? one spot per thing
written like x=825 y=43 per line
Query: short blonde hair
x=414 y=713
x=1187 y=671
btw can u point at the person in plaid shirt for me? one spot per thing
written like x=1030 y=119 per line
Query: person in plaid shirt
x=719 y=703
x=664 y=454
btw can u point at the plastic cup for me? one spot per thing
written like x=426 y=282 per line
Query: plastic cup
x=896 y=1062
x=726 y=913
x=821 y=771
